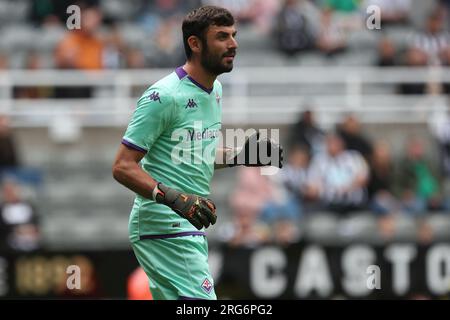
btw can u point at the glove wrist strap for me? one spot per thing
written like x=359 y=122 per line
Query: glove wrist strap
x=158 y=194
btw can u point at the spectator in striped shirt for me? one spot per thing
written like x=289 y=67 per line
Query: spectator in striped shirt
x=284 y=211
x=338 y=178
x=434 y=40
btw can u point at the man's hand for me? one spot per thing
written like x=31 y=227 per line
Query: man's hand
x=199 y=211
x=258 y=152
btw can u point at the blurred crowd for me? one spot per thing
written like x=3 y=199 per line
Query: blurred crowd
x=19 y=223
x=291 y=27
x=341 y=172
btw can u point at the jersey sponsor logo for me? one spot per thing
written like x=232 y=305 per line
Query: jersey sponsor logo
x=154 y=96
x=195 y=145
x=194 y=135
x=191 y=104
x=207 y=286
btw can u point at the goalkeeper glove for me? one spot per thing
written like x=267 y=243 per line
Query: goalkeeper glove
x=250 y=155
x=199 y=211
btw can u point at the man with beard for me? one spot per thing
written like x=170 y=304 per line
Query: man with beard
x=167 y=157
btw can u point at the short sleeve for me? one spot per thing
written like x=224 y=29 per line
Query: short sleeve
x=219 y=88
x=152 y=116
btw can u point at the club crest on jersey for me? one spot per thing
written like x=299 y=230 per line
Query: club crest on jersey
x=191 y=104
x=154 y=96
x=217 y=98
x=207 y=286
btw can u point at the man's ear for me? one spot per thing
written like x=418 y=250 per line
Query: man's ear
x=195 y=44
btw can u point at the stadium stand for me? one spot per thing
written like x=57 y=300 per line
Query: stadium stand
x=73 y=140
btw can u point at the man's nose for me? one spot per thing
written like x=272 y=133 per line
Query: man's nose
x=234 y=44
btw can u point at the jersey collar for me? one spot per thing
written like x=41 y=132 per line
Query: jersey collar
x=181 y=73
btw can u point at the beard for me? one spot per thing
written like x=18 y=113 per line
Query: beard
x=215 y=63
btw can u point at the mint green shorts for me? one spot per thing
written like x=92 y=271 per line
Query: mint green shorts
x=177 y=268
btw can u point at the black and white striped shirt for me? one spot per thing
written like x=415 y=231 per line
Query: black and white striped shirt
x=333 y=176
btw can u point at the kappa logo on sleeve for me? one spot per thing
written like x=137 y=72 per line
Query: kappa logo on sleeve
x=154 y=96
x=207 y=286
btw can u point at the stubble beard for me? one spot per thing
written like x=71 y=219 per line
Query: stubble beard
x=214 y=64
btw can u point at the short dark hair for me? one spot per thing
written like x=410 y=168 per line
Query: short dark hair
x=196 y=23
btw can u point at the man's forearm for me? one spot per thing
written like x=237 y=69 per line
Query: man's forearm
x=134 y=178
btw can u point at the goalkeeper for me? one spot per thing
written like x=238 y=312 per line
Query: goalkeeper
x=172 y=209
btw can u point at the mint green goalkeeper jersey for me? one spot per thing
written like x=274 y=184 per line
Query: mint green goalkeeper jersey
x=176 y=124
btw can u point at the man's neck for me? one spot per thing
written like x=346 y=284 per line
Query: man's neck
x=199 y=74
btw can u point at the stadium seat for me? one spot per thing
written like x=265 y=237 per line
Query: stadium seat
x=405 y=227
x=439 y=224
x=321 y=226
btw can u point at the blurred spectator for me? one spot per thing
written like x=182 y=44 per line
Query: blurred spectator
x=342 y=5
x=247 y=231
x=444 y=6
x=381 y=182
x=167 y=8
x=351 y=133
x=386 y=53
x=262 y=13
x=331 y=37
x=253 y=192
x=287 y=206
x=425 y=233
x=293 y=30
x=259 y=13
x=305 y=133
x=418 y=184
x=414 y=58
x=346 y=13
x=285 y=232
x=285 y=210
x=44 y=12
x=338 y=177
x=294 y=176
x=81 y=49
x=386 y=226
x=19 y=228
x=392 y=11
x=166 y=51
x=48 y=11
x=138 y=287
x=445 y=89
x=434 y=40
x=4 y=63
x=441 y=130
x=151 y=14
x=135 y=59
x=8 y=153
x=33 y=62
x=114 y=48
x=263 y=206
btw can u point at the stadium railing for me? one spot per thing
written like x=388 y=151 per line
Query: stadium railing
x=252 y=95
